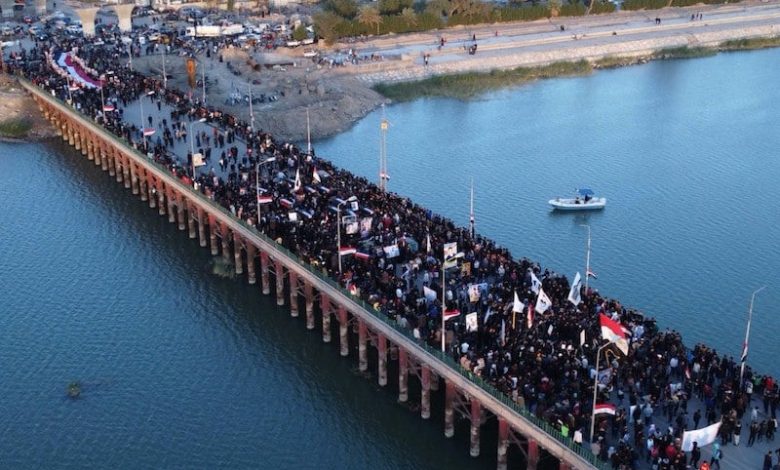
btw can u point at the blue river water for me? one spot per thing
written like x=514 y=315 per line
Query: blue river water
x=182 y=369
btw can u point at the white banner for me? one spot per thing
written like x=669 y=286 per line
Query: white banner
x=703 y=437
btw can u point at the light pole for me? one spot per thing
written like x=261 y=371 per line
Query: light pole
x=444 y=295
x=338 y=227
x=747 y=335
x=192 y=145
x=251 y=112
x=595 y=391
x=257 y=182
x=587 y=257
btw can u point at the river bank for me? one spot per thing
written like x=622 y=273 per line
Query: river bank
x=472 y=84
x=20 y=118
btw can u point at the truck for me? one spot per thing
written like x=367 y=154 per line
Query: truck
x=213 y=31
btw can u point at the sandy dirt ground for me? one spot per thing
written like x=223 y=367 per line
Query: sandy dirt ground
x=14 y=104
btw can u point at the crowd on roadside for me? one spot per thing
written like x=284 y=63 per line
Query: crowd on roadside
x=394 y=262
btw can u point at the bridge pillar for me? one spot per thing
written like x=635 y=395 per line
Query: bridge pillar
x=212 y=234
x=124 y=13
x=325 y=307
x=134 y=177
x=382 y=359
x=343 y=331
x=71 y=136
x=89 y=150
x=101 y=148
x=279 y=282
x=87 y=17
x=250 y=263
x=142 y=183
x=434 y=381
x=160 y=198
x=264 y=273
x=533 y=454
x=153 y=192
x=191 y=215
x=425 y=396
x=223 y=229
x=77 y=139
x=449 y=413
x=403 y=375
x=307 y=292
x=362 y=347
x=126 y=171
x=181 y=211
x=476 y=421
x=171 y=205
x=236 y=253
x=202 y=228
x=110 y=157
x=503 y=444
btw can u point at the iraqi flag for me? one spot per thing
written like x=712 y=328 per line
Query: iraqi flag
x=613 y=332
x=604 y=408
x=148 y=131
x=347 y=250
x=264 y=199
x=543 y=303
x=286 y=203
x=108 y=108
x=450 y=314
x=362 y=256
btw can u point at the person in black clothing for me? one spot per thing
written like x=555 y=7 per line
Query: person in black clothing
x=695 y=455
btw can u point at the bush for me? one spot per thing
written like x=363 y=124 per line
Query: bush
x=599 y=8
x=15 y=128
x=300 y=33
x=643 y=4
x=344 y=8
x=576 y=9
x=522 y=13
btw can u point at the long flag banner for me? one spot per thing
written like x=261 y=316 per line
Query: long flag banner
x=613 y=332
x=69 y=63
x=703 y=436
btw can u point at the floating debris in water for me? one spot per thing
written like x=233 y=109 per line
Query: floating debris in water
x=74 y=389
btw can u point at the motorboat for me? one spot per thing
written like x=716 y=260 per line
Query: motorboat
x=584 y=200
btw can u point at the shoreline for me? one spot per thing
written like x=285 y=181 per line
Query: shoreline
x=21 y=120
x=469 y=85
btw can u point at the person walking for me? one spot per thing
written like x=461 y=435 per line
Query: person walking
x=768 y=461
x=695 y=455
x=737 y=431
x=753 y=432
x=717 y=454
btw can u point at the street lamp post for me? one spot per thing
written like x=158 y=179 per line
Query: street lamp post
x=257 y=182
x=743 y=359
x=595 y=391
x=444 y=295
x=587 y=258
x=338 y=227
x=192 y=145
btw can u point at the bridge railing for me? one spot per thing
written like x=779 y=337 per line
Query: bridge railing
x=568 y=442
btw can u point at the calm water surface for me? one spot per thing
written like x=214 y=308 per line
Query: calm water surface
x=183 y=369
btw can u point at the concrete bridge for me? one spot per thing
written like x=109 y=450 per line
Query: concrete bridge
x=246 y=248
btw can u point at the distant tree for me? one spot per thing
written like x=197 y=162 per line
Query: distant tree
x=300 y=33
x=326 y=24
x=344 y=8
x=369 y=16
x=409 y=16
x=393 y=7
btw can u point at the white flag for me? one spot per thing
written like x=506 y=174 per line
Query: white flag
x=535 y=283
x=298 y=185
x=517 y=306
x=543 y=303
x=574 y=292
x=703 y=436
x=428 y=243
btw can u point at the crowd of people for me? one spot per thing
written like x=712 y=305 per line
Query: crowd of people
x=394 y=262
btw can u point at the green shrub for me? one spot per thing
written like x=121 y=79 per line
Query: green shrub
x=599 y=8
x=575 y=9
x=15 y=128
x=643 y=4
